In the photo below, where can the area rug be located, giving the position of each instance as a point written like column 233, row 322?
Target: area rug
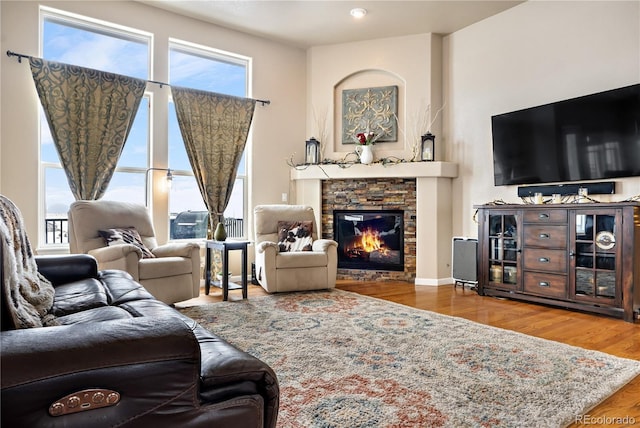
column 346, row 360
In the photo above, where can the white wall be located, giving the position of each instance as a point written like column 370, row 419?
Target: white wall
column 403, row 61
column 279, row 75
column 535, row 53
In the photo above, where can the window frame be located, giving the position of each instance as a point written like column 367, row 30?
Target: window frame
column 85, row 23
column 209, row 53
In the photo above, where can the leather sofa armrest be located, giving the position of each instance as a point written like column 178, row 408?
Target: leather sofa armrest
column 153, row 363
column 323, row 245
column 177, row 249
column 34, row 354
column 62, row 269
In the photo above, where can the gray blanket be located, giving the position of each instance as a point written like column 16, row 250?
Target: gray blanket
column 28, row 295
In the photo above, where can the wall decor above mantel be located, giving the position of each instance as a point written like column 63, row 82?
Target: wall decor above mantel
column 370, row 110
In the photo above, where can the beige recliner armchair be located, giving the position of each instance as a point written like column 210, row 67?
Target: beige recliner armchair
column 288, row 254
column 171, row 272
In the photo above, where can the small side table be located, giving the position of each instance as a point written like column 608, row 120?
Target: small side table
column 224, row 247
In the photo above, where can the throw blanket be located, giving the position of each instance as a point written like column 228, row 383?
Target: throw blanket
column 28, row 295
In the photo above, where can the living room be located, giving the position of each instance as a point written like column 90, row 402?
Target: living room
column 531, row 54
column 501, row 64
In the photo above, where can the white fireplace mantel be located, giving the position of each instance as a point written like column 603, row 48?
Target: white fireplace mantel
column 376, row 170
column 434, row 206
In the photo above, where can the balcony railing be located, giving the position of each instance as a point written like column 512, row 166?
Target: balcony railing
column 234, row 227
column 57, row 229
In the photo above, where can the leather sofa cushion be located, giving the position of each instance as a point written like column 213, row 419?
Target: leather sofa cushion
column 149, row 308
column 104, row 313
column 301, row 259
column 79, row 296
column 164, row 267
column 121, row 288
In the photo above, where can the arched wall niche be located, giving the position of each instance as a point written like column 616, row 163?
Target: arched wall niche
column 369, row 78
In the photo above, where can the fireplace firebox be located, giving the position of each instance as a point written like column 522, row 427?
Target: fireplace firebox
column 369, row 239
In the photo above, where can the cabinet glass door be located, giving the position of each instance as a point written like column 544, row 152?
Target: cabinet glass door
column 503, row 249
column 595, row 255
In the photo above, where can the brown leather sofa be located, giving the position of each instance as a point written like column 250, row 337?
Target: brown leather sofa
column 119, row 347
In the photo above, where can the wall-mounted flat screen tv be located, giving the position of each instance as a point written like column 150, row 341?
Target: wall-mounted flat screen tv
column 592, row 137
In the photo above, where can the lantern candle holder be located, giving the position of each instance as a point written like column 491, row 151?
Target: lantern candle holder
column 312, row 152
column 428, row 152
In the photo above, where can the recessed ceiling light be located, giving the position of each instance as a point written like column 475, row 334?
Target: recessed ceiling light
column 358, row 12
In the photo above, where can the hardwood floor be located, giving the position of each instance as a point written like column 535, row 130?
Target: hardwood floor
column 601, row 333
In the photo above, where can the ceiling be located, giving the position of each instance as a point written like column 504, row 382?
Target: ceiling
column 306, row 23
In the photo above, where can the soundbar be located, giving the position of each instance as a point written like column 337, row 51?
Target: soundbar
column 600, row 188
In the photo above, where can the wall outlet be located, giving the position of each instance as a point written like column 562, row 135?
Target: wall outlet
column 285, row 197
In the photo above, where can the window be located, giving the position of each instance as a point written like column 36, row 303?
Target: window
column 108, row 47
column 207, row 69
column 68, row 39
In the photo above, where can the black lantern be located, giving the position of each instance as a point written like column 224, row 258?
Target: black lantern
column 312, row 152
column 428, row 152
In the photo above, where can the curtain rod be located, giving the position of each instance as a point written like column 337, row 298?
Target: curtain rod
column 20, row 56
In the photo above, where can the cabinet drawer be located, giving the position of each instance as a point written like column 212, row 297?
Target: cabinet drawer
column 545, row 216
column 545, row 260
column 545, row 284
column 547, row 236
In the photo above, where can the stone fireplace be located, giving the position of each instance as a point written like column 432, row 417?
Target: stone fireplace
column 422, row 190
column 376, row 204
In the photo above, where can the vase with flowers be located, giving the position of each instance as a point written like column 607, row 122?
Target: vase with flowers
column 365, row 141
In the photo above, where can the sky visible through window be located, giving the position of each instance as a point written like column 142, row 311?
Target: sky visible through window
column 73, row 44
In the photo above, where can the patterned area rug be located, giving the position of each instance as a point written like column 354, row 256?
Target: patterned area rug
column 346, row 360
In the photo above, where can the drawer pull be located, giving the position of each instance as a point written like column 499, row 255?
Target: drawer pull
column 543, row 216
column 544, row 236
column 543, row 284
column 543, row 260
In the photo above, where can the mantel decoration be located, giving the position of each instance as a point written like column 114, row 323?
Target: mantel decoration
column 423, row 148
column 365, row 142
column 428, row 152
column 312, row 151
column 370, row 109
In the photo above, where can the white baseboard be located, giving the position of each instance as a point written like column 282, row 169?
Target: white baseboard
column 434, row 282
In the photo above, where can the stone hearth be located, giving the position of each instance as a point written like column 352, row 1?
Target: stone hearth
column 423, row 185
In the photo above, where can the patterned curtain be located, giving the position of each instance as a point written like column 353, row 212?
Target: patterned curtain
column 90, row 114
column 214, row 128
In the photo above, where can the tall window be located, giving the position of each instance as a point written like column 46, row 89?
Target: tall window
column 70, row 40
column 108, row 47
column 210, row 70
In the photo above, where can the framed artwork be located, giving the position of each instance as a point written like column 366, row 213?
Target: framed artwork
column 370, row 110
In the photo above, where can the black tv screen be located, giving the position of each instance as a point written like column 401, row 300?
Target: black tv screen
column 587, row 138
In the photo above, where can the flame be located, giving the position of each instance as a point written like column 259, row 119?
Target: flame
column 371, row 241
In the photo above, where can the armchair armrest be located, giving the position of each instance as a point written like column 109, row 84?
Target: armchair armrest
column 62, row 269
column 261, row 247
column 176, row 249
column 153, row 363
column 114, row 252
column 324, row 245
column 124, row 257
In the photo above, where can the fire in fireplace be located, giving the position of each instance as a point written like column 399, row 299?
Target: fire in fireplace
column 368, row 239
